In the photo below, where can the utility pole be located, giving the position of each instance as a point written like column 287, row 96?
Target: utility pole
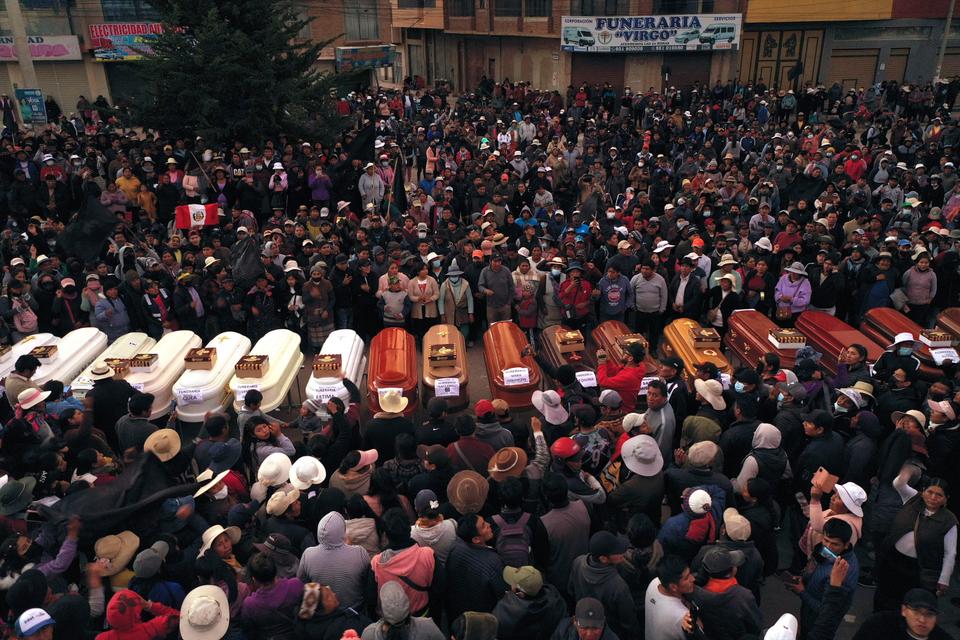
column 21, row 44
column 943, row 41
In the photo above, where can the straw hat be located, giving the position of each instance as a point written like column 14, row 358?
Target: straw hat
column 274, row 470
column 467, row 491
column 306, row 472
column 726, row 259
column 204, row 614
column 31, row 397
column 117, row 550
column 393, row 402
column 214, row 532
column 211, row 483
column 100, row 372
column 712, row 392
column 163, row 443
column 280, row 501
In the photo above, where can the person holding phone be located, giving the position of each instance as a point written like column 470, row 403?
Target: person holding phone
column 812, row 585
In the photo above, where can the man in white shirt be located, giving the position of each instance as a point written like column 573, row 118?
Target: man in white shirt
column 666, row 615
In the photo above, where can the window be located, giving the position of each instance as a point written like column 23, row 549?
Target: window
column 128, row 10
column 360, row 19
column 538, row 8
column 682, row 6
column 600, row 7
column 417, row 4
column 506, row 8
column 460, row 8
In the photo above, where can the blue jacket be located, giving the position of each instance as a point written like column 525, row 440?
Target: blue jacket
column 816, row 581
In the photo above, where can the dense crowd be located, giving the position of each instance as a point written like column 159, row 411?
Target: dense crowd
column 654, row 504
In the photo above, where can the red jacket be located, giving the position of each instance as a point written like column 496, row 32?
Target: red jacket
column 624, row 380
column 123, row 615
column 578, row 299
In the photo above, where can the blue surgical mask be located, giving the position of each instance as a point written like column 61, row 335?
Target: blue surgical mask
column 838, row 409
column 436, row 263
column 738, row 387
column 555, row 273
column 454, row 279
column 904, row 351
column 780, row 399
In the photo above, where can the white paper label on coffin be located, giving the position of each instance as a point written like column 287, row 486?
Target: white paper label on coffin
column 943, row 354
column 587, row 378
column 447, row 387
column 644, row 383
column 382, row 392
column 327, row 391
column 189, row 396
column 138, row 386
column 516, row 376
column 243, row 387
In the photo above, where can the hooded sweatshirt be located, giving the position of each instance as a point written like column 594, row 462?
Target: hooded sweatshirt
column 529, row 618
column 412, row 567
column 589, row 578
column 395, row 608
column 766, row 457
column 494, row 435
column 333, row 562
column 124, row 617
column 439, row 537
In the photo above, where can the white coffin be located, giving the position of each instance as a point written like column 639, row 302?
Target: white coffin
column 75, row 351
column 199, row 391
column 285, row 359
column 348, row 344
column 24, row 347
column 170, row 351
column 125, row 346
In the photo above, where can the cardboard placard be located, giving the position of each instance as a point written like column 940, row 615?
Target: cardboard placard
column 824, row 480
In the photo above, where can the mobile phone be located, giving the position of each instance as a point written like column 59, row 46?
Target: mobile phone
column 828, row 554
column 694, row 613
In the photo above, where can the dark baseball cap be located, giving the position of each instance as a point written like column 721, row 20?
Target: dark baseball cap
column 794, row 389
column 821, row 419
column 604, row 543
column 589, row 613
column 720, row 560
column 921, row 599
column 674, row 362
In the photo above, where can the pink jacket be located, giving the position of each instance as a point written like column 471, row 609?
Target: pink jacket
column 415, row 565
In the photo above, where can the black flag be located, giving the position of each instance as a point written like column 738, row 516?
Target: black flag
column 361, row 148
column 85, row 236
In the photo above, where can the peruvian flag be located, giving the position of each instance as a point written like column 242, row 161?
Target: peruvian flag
column 193, row 216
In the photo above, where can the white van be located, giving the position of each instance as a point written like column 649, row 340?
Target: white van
column 578, row 37
column 718, row 33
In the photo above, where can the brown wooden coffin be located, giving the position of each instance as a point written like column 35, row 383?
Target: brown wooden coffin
column 393, row 365
column 748, row 339
column 830, row 336
column 949, row 321
column 678, row 341
column 445, row 357
column 612, row 336
column 882, row 324
column 502, row 345
column 557, row 348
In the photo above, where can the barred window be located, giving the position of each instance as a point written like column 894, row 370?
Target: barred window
column 538, row 8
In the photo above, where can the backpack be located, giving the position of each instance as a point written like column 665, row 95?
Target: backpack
column 513, row 542
column 25, row 319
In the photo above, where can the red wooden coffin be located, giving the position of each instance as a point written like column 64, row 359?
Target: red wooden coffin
column 679, row 340
column 830, row 336
column 560, row 345
column 393, row 365
column 949, row 320
column 613, row 337
column 882, row 324
column 502, row 345
column 748, row 339
column 445, row 359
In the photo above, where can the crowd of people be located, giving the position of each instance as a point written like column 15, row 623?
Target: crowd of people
column 655, row 504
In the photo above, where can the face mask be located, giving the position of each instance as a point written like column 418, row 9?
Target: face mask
column 739, row 387
column 893, row 383
column 422, row 234
column 454, row 279
column 436, row 263
column 384, row 164
column 937, row 396
column 904, row 351
column 555, row 273
column 611, row 215
column 780, row 399
column 220, row 495
column 838, row 409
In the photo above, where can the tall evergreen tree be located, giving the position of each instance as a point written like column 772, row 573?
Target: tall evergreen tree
column 235, row 69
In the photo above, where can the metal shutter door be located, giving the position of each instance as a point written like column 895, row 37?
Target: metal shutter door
column 65, row 81
column 951, row 63
column 597, row 68
column 853, row 68
column 896, row 65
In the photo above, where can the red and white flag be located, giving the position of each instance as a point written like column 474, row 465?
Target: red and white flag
column 193, row 216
